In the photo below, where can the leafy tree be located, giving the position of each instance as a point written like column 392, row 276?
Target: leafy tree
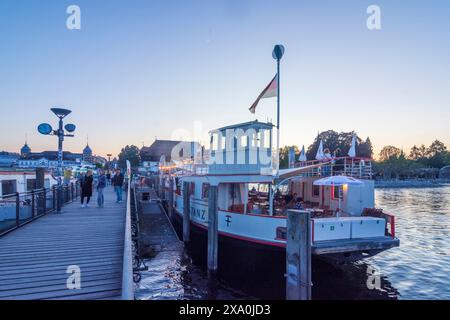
column 365, row 149
column 284, row 156
column 436, row 148
column 389, row 152
column 414, row 154
column 340, row 143
column 423, row 152
column 130, row 153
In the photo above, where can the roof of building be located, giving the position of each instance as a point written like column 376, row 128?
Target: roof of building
column 53, row 155
column 25, row 149
column 87, row 149
column 157, row 149
column 246, row 125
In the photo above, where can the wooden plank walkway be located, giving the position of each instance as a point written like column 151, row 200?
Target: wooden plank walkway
column 34, row 259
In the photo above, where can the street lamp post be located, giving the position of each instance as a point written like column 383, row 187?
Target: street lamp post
column 46, row 129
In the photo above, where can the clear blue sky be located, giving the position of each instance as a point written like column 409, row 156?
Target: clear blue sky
column 139, row 69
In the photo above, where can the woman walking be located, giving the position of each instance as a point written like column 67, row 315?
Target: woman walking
column 100, row 186
column 86, row 188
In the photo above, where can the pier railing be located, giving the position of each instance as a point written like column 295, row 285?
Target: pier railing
column 18, row 209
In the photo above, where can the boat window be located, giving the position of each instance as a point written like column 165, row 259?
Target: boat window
column 258, row 198
column 205, row 190
column 337, row 193
column 316, row 191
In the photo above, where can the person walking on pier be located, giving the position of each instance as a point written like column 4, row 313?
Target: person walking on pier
column 101, row 184
column 108, row 177
column 117, row 182
column 86, row 188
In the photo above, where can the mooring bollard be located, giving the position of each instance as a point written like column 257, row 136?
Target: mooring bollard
column 186, row 212
column 170, row 204
column 298, row 255
column 213, row 232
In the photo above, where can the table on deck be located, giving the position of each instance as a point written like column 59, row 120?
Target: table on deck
column 34, row 259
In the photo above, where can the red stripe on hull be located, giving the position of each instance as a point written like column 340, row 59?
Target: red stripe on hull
column 230, row 235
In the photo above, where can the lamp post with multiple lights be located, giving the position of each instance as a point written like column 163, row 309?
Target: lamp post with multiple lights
column 46, row 129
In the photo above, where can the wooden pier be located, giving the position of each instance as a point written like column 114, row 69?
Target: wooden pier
column 34, row 259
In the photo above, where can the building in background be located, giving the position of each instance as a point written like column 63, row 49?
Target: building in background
column 151, row 156
column 8, row 159
column 49, row 159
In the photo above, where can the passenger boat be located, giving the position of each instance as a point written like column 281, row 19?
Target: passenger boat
column 253, row 199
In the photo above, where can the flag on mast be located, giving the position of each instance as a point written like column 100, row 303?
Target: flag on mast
column 270, row 91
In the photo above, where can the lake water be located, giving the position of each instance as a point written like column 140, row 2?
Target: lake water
column 418, row 269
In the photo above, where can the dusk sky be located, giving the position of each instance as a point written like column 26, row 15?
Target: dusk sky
column 141, row 69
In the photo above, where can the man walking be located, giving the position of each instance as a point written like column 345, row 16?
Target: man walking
column 117, row 182
column 100, row 186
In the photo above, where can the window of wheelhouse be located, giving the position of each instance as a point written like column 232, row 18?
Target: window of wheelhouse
column 192, row 189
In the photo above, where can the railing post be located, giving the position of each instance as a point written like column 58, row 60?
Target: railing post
column 186, row 212
column 58, row 198
column 71, row 191
column 213, row 234
column 298, row 255
column 170, row 204
column 17, row 209
column 54, row 197
column 44, row 201
column 33, row 205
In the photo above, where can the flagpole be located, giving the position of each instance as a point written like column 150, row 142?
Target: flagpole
column 278, row 118
column 277, row 54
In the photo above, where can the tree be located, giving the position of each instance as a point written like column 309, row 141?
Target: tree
column 340, row 144
column 130, row 153
column 389, row 153
column 414, row 154
column 423, row 152
column 284, row 156
column 437, row 155
column 436, row 148
column 365, row 149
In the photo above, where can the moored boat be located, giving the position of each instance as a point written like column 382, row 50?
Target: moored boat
column 254, row 197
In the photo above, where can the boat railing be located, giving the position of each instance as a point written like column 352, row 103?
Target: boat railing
column 360, row 168
column 18, row 209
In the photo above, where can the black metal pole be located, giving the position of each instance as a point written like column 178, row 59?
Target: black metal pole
column 54, row 196
column 33, row 205
column 17, row 209
column 44, row 204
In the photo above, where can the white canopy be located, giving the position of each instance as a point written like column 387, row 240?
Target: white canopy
column 302, row 156
column 352, row 151
column 319, row 155
column 338, row 181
